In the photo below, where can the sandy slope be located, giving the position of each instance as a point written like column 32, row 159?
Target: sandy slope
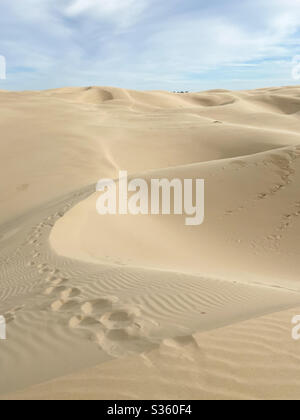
column 147, row 297
column 252, row 207
column 235, row 362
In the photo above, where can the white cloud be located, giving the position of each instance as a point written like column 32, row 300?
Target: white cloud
column 199, row 42
column 147, row 43
column 122, row 12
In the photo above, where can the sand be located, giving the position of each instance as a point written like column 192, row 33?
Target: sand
column 144, row 306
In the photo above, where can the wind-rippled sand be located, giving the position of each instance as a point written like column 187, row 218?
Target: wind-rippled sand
column 145, row 307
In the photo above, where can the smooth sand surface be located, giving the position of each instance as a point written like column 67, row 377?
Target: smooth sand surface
column 144, row 306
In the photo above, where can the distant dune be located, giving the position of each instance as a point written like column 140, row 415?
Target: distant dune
column 144, row 306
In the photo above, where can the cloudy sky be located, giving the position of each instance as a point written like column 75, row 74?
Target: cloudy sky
column 149, row 44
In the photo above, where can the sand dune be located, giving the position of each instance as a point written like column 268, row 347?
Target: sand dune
column 143, row 306
column 251, row 212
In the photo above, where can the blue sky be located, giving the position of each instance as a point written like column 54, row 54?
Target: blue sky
column 149, row 44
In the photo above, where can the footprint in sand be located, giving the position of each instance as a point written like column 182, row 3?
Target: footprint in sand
column 97, row 306
column 66, row 297
column 119, row 342
column 10, row 316
column 92, row 311
column 62, row 305
column 54, row 280
column 33, row 242
column 43, row 268
column 118, row 331
column 122, row 318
